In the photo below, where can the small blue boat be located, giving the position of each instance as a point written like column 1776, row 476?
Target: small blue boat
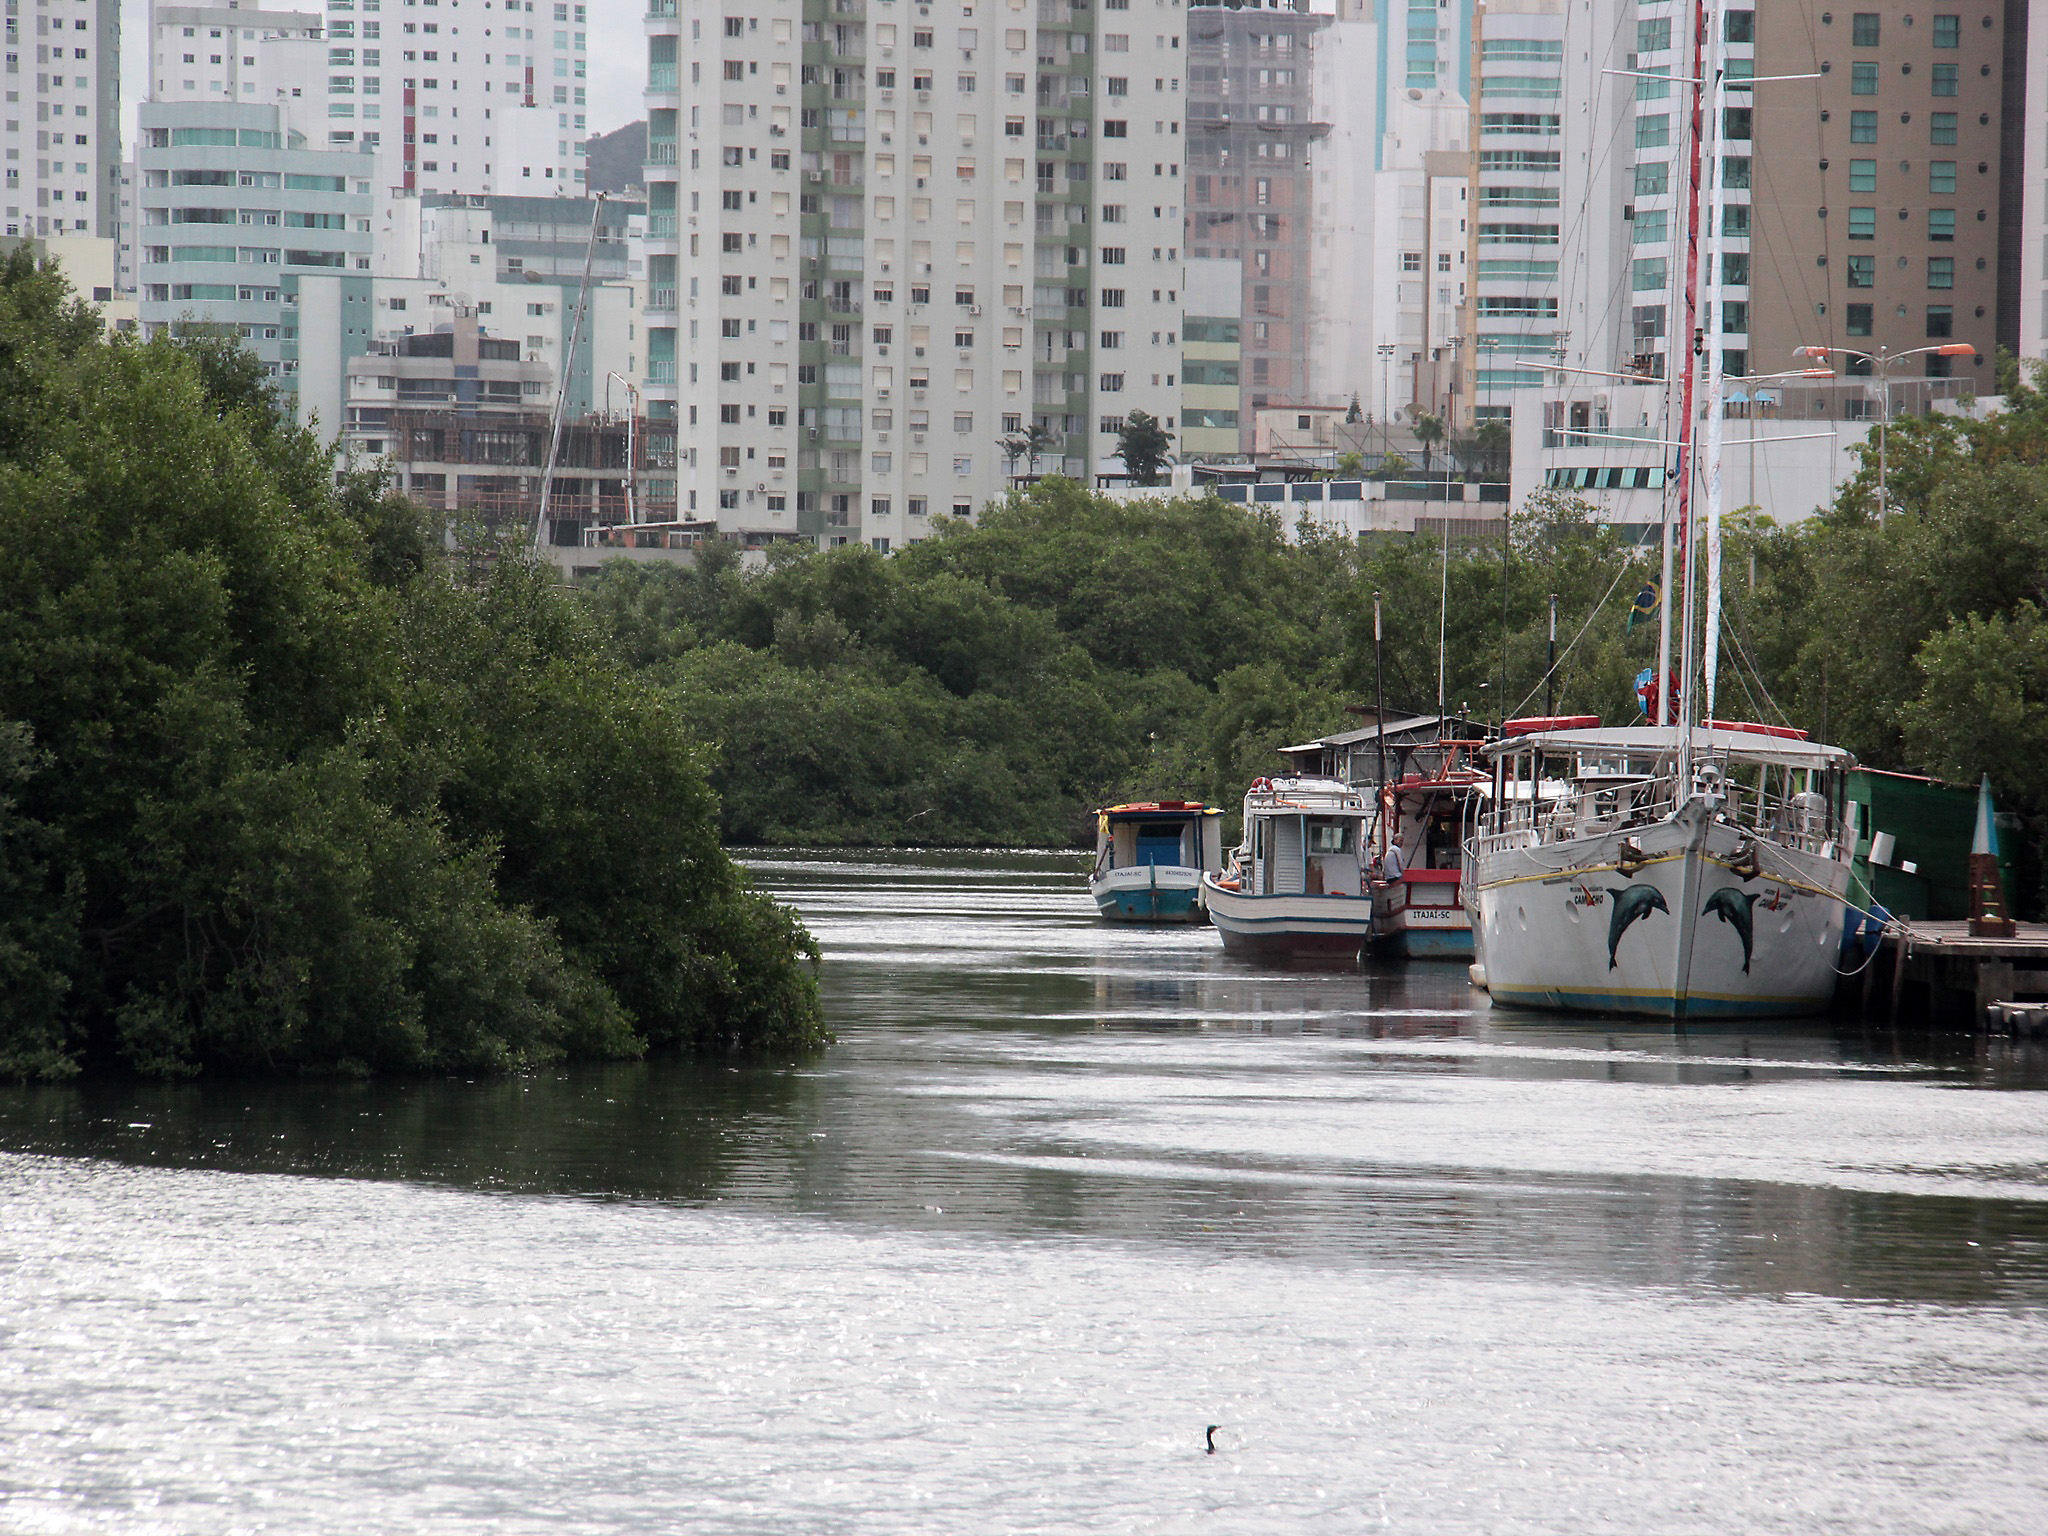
column 1149, row 859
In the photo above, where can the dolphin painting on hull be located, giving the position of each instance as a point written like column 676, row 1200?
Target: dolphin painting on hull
column 1630, row 903
column 1733, row 908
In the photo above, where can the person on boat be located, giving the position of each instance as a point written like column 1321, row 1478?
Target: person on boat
column 1392, row 863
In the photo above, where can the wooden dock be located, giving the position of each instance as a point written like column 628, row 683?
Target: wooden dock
column 1939, row 973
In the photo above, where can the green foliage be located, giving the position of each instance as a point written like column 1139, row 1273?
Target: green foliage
column 1144, row 446
column 276, row 794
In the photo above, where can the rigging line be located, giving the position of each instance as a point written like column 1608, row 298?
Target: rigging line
column 1562, row 658
column 1742, row 655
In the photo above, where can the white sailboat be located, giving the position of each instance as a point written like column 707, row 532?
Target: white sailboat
column 1674, row 870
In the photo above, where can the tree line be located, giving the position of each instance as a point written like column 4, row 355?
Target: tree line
column 282, row 791
column 989, row 685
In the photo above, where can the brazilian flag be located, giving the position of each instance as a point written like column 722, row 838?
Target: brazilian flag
column 1646, row 604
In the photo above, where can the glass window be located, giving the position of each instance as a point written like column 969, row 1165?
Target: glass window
column 1735, row 123
column 1941, row 223
column 1863, row 127
column 1734, row 363
column 1653, row 177
column 1651, row 132
column 1941, row 271
column 1945, row 79
column 1863, row 78
column 1734, row 317
column 1862, row 175
column 1941, row 128
column 1948, row 31
column 1649, row 273
column 1653, row 36
column 1941, row 322
column 1941, row 175
column 1735, row 220
column 1862, row 223
column 1863, row 29
column 1650, row 227
column 1862, row 271
column 1735, row 171
column 1860, row 318
column 1741, row 26
column 1735, row 268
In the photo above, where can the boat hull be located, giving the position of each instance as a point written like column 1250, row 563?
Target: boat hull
column 1446, row 943
column 1150, row 893
column 1692, row 931
column 1330, row 930
column 1422, row 917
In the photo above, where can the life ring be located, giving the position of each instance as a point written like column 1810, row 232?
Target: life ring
column 1261, row 787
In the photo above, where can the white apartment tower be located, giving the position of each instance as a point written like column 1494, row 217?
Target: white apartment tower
column 475, row 96
column 886, row 234
column 60, row 135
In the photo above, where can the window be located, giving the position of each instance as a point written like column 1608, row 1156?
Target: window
column 1411, row 261
column 1862, row 175
column 1862, row 127
column 1735, row 122
column 1948, row 31
column 1111, row 383
column 1653, row 132
column 1941, row 176
column 1862, row 223
column 1734, row 172
column 1941, row 271
column 1863, row 78
column 1862, row 271
column 1735, row 268
column 1649, row 274
column 1653, row 178
column 1946, row 79
column 1735, row 363
column 1653, row 36
column 1735, row 220
column 1941, row 322
column 1863, row 29
column 1941, row 223
column 1650, row 227
column 1648, row 321
column 1860, row 318
column 1941, row 128
column 1741, row 26
column 1734, row 318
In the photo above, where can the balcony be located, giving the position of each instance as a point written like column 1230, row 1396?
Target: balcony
column 661, row 298
column 658, row 9
column 661, row 151
column 661, row 225
column 661, row 77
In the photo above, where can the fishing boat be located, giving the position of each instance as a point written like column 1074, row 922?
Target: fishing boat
column 1299, row 884
column 1664, row 872
column 1427, row 816
column 1150, row 857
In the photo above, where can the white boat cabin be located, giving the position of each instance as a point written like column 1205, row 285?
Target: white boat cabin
column 1306, row 837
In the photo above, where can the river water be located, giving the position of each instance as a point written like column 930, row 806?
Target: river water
column 1061, row 1196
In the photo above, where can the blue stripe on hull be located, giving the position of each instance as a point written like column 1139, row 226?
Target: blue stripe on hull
column 1150, row 906
column 1429, row 944
column 1656, row 1007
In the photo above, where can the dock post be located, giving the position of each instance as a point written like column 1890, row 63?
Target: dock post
column 1900, row 935
column 1994, row 984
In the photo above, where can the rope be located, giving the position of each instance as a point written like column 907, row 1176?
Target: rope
column 1625, row 569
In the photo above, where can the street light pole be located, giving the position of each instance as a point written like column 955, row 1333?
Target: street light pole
column 1387, row 350
column 1882, row 362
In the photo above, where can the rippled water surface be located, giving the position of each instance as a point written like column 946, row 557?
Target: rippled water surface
column 1061, row 1196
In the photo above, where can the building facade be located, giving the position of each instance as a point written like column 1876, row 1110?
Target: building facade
column 502, row 110
column 60, row 138
column 235, row 206
column 883, row 236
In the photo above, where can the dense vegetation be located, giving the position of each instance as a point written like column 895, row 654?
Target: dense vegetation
column 277, row 792
column 991, row 683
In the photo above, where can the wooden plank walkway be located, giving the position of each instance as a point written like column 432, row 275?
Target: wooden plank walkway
column 1940, row 972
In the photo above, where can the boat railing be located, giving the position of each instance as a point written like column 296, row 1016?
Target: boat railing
column 1799, row 820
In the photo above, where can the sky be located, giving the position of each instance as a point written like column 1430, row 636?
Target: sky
column 617, row 49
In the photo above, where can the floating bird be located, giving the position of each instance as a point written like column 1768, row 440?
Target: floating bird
column 1212, row 1437
column 1630, row 903
column 1733, row 908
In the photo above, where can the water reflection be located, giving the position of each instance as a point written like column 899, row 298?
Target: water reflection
column 1010, row 1067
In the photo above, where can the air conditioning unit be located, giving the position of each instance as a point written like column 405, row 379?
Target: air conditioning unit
column 881, row 351
column 974, row 309
column 813, row 432
column 814, row 175
column 917, row 351
column 917, row 437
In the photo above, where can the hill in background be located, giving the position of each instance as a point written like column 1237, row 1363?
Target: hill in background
column 615, row 158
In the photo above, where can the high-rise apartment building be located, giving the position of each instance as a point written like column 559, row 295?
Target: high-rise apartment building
column 1889, row 229
column 1253, row 130
column 60, row 132
column 498, row 108
column 885, row 235
column 236, row 206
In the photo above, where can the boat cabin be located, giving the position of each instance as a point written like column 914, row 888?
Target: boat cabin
column 1175, row 834
column 1307, row 837
column 1412, row 743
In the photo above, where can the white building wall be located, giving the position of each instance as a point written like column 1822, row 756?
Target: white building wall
column 60, row 135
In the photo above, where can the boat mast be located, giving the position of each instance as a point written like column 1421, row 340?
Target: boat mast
column 1714, row 74
column 1694, row 346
